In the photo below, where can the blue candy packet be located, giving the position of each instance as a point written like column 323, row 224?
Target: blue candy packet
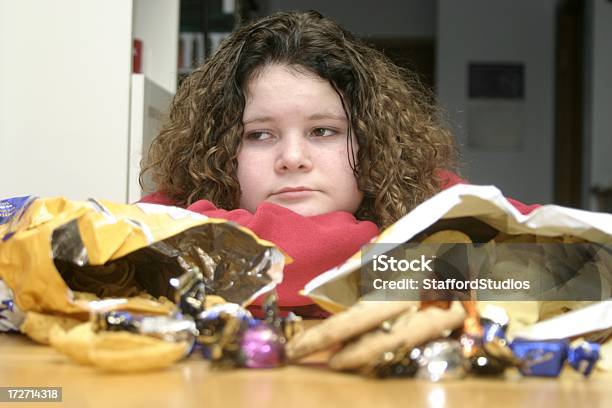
column 9, row 207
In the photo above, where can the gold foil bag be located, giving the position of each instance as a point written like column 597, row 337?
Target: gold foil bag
column 125, row 255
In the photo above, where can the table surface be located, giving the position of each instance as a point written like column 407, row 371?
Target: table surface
column 192, row 383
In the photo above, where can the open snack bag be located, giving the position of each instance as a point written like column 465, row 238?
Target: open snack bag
column 71, row 264
column 467, row 245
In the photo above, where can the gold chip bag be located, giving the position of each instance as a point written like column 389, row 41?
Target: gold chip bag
column 123, row 256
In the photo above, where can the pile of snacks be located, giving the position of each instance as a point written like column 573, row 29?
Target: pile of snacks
column 127, row 288
column 565, row 251
column 434, row 341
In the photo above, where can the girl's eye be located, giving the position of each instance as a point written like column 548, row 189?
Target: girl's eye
column 259, row 136
column 323, row 132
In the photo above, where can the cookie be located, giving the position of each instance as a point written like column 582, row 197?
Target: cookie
column 360, row 318
column 409, row 330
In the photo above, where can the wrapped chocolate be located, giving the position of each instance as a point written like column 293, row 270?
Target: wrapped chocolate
column 441, row 360
column 11, row 208
column 119, row 251
column 168, row 328
column 393, row 364
column 583, row 355
column 220, row 330
column 230, row 337
column 189, row 292
column 262, row 346
column 546, row 358
column 488, row 352
column 540, row 358
column 11, row 317
column 288, row 326
column 494, row 321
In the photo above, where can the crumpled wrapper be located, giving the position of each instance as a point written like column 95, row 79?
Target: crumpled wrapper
column 118, row 252
column 477, row 211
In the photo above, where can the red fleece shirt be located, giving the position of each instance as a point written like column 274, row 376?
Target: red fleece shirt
column 316, row 243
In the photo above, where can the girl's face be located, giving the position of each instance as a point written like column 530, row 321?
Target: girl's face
column 294, row 151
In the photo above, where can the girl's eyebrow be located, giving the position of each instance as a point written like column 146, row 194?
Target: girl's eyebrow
column 259, row 119
column 315, row 116
column 334, row 116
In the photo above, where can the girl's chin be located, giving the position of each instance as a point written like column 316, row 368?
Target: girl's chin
column 304, row 209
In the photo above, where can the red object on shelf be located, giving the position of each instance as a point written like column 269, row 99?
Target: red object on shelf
column 137, row 56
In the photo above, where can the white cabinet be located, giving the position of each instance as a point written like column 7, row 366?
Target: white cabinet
column 149, row 107
column 68, row 99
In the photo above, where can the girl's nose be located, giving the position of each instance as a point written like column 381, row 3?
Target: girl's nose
column 293, row 155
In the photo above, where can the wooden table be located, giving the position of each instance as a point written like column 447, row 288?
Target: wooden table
column 193, row 383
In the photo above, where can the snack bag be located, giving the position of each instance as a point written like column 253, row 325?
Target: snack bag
column 67, row 258
column 565, row 251
column 470, row 241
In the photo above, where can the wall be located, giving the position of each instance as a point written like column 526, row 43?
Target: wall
column 64, row 97
column 598, row 98
column 156, row 23
column 381, row 18
column 515, row 31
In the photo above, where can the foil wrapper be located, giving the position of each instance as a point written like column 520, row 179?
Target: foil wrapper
column 288, row 326
column 11, row 317
column 397, row 364
column 583, row 356
column 540, row 358
column 494, row 321
column 486, row 348
column 189, row 292
column 220, row 330
column 13, row 208
column 229, row 336
column 546, row 358
column 222, row 259
column 441, row 360
column 262, row 346
column 168, row 328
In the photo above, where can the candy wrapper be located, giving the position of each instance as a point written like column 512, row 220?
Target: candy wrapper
column 12, row 206
column 491, row 352
column 53, row 247
column 230, row 337
column 10, row 315
column 593, row 322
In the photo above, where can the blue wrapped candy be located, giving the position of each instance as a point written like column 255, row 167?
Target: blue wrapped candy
column 545, row 358
column 583, row 357
column 541, row 358
column 10, row 315
column 10, row 206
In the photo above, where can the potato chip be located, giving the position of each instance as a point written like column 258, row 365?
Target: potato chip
column 447, row 237
column 75, row 343
column 116, row 351
column 37, row 326
column 515, row 239
column 125, row 352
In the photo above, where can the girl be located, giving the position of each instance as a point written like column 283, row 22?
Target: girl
column 306, row 136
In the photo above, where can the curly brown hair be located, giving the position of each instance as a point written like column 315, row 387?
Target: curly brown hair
column 402, row 144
